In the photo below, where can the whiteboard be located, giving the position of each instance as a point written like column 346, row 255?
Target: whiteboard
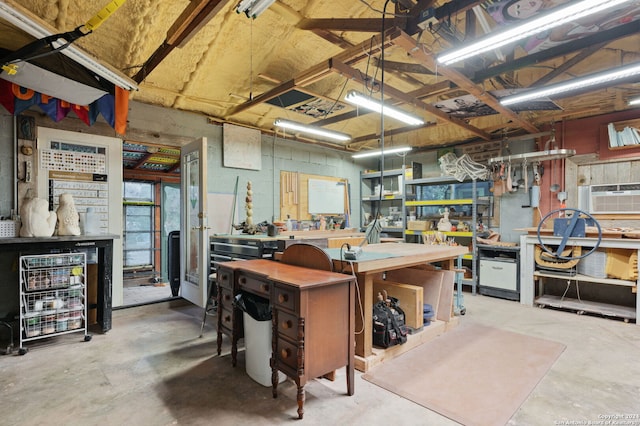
column 241, row 147
column 326, row 196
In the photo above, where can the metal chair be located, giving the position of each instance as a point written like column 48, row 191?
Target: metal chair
column 211, row 306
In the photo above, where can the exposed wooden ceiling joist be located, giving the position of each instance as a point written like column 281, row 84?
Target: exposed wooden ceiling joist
column 343, row 69
column 424, row 55
column 608, row 36
column 195, row 15
column 312, row 74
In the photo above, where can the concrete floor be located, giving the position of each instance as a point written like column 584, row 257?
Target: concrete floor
column 143, row 294
column 152, row 369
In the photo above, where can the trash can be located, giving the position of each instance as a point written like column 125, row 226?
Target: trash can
column 256, row 314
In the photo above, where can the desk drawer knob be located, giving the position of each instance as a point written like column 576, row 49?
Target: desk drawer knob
column 227, row 297
column 243, row 280
column 287, row 324
column 224, row 278
column 264, row 287
column 283, row 298
column 285, row 353
column 227, row 318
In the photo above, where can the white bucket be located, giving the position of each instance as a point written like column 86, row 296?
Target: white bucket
column 257, row 348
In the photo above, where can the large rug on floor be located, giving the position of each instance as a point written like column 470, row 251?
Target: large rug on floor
column 473, row 374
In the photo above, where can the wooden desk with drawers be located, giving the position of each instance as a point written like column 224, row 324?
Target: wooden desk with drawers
column 313, row 318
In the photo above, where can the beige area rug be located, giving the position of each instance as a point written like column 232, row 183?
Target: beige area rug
column 473, row 374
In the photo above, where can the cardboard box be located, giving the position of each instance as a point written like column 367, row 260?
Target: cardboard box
column 419, row 225
column 410, row 298
column 622, row 264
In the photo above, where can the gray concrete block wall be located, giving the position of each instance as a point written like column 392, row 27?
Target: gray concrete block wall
column 277, row 154
column 7, row 163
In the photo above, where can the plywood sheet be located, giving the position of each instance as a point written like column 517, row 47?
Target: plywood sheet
column 445, row 306
column 410, row 298
column 430, row 281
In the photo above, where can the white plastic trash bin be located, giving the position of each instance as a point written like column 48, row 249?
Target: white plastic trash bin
column 257, row 350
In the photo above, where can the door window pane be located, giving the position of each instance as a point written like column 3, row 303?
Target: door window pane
column 138, row 211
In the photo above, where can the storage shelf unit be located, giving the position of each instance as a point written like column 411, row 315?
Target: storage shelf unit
column 447, row 192
column 529, row 275
column 53, row 298
column 389, row 205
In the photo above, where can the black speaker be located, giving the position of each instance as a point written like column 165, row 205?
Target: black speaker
column 173, row 261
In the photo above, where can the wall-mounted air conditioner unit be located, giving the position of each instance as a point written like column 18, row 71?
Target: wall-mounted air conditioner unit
column 614, row 198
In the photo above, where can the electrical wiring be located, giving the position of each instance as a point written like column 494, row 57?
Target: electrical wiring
column 359, row 297
column 384, row 11
column 355, row 278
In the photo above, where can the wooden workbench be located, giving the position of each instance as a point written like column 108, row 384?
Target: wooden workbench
column 372, row 262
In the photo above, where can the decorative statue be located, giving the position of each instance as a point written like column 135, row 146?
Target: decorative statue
column 37, row 220
column 68, row 217
column 444, row 225
column 249, row 204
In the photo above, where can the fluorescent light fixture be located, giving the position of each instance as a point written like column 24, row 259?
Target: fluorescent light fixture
column 635, row 101
column 528, row 28
column 313, row 130
column 33, row 28
column 574, row 84
column 253, row 8
column 378, row 152
column 53, row 84
column 379, row 107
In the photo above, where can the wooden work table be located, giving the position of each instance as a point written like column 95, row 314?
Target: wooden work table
column 372, row 262
column 312, row 318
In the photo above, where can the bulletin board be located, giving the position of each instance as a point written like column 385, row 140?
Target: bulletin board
column 300, row 199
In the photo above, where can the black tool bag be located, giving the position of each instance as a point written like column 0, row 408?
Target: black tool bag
column 388, row 323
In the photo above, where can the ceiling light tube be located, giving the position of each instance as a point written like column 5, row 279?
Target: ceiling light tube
column 528, row 28
column 259, row 7
column 574, row 84
column 313, row 130
column 377, row 152
column 244, row 5
column 635, row 101
column 253, row 8
column 36, row 30
column 379, row 107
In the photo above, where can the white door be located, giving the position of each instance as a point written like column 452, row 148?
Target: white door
column 194, row 232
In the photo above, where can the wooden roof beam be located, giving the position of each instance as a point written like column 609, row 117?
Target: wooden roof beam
column 313, row 74
column 424, row 91
column 586, row 42
column 371, row 25
column 191, row 20
column 346, row 70
column 422, row 53
column 390, row 132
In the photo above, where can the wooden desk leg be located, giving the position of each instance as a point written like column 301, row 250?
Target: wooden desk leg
column 219, row 312
column 364, row 340
column 234, row 349
column 301, row 398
